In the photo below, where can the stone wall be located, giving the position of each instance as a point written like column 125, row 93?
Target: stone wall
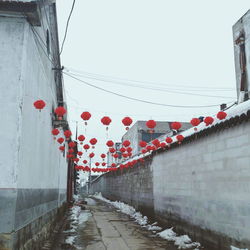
column 200, row 187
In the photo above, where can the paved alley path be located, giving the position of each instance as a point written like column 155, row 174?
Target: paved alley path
column 107, row 229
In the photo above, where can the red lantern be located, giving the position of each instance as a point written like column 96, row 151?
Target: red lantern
column 103, row 164
column 71, row 150
column 106, row 121
column 144, row 151
column 124, row 155
column 143, row 144
column 221, row 115
column 72, row 144
column 169, row 140
column 62, row 148
column 129, row 154
column 127, row 121
column 103, row 156
column 81, row 138
column 91, row 155
column 110, row 143
column 60, row 111
column 67, row 133
column 97, row 164
column 129, row 149
column 208, row 120
column 70, row 156
column 156, row 142
column 39, row 104
column 151, row 124
column 93, row 141
column 195, row 121
column 79, row 153
column 113, row 165
column 85, row 116
column 60, row 140
column 55, row 131
column 126, row 143
column 122, row 150
column 115, row 156
column 76, row 160
column 85, row 162
column 111, row 150
column 163, row 144
column 180, row 138
column 176, row 125
column 148, row 147
column 86, row 146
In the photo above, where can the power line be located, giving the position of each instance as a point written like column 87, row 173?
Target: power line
column 67, row 26
column 151, row 88
column 146, row 82
column 139, row 100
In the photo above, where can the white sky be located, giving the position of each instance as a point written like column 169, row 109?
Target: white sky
column 170, row 42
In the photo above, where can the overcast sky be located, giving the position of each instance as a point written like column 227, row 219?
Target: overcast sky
column 183, row 46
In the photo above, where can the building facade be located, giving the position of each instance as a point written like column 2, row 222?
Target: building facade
column 33, row 180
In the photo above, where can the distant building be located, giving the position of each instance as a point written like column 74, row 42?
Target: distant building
column 241, row 36
column 139, row 132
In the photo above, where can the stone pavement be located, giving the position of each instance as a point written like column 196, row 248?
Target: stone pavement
column 112, row 230
column 105, row 229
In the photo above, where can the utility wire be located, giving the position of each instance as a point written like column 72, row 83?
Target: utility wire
column 139, row 100
column 70, row 70
column 67, row 26
column 151, row 88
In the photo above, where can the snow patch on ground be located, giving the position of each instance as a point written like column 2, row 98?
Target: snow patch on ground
column 70, row 240
column 236, row 248
column 183, row 241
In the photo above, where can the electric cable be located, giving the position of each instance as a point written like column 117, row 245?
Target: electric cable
column 140, row 100
column 67, row 26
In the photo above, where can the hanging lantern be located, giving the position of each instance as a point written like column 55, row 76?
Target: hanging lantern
column 115, row 155
column 60, row 112
column 153, row 148
column 39, row 104
column 67, row 134
column 97, row 164
column 91, row 155
column 156, row 143
column 86, row 146
column 103, row 164
column 85, row 116
column 129, row 154
column 76, row 160
column 103, row 156
column 127, row 121
column 148, row 147
column 176, row 125
column 71, row 150
column 81, row 138
column 180, row 138
column 113, row 165
column 126, row 143
column 169, row 140
column 208, row 120
column 69, row 156
column 85, row 161
column 79, row 153
column 106, row 121
column 60, row 140
column 129, row 149
column 110, row 143
column 124, row 155
column 144, row 151
column 72, row 144
column 122, row 150
column 221, row 115
column 143, row 144
column 111, row 150
column 163, row 144
column 151, row 125
column 62, row 148
column 195, row 122
column 93, row 141
column 55, row 132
